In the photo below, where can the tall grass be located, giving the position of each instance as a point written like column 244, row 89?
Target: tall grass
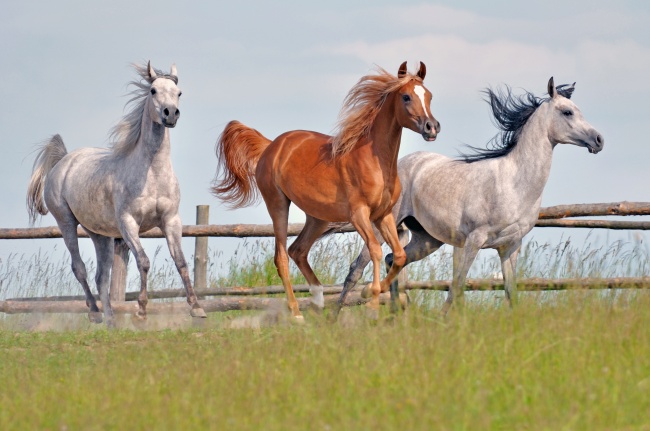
column 252, row 265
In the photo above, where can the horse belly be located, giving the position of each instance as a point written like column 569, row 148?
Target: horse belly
column 323, row 203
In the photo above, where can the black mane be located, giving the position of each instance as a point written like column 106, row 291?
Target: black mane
column 510, row 115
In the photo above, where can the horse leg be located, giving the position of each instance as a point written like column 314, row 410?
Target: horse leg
column 388, row 231
column 463, row 259
column 508, row 256
column 420, row 246
column 129, row 229
column 104, row 247
column 172, row 229
column 299, row 251
column 356, row 271
column 403, row 236
column 278, row 206
column 68, row 229
column 361, row 220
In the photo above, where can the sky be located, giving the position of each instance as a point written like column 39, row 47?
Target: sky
column 279, row 66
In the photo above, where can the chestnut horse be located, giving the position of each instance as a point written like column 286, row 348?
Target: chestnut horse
column 351, row 176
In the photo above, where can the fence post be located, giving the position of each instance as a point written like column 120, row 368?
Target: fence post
column 119, row 271
column 201, row 249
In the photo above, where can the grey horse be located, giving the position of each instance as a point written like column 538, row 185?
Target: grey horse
column 491, row 197
column 118, row 192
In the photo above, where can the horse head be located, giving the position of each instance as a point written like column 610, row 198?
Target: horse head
column 567, row 125
column 164, row 96
column 412, row 104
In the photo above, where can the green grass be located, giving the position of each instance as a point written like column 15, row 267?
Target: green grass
column 580, row 362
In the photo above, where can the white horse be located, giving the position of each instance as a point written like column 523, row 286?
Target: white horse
column 118, row 192
column 491, row 198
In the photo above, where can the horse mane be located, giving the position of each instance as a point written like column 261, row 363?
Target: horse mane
column 510, row 115
column 361, row 106
column 125, row 134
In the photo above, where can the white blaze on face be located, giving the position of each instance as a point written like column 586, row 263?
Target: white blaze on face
column 420, row 92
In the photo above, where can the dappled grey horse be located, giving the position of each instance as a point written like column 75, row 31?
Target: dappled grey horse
column 490, row 198
column 118, row 192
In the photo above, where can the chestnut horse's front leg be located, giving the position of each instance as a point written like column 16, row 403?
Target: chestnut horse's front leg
column 360, row 218
column 388, row 230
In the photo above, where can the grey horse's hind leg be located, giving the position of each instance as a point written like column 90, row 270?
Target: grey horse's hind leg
column 172, row 229
column 68, row 225
column 420, row 246
column 508, row 256
column 104, row 247
column 356, row 271
column 402, row 234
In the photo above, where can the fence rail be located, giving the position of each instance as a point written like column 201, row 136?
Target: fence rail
column 244, row 298
column 237, row 298
column 549, row 217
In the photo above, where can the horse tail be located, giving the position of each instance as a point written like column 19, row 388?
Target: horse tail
column 238, row 149
column 49, row 154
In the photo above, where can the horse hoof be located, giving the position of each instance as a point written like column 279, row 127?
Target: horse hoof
column 140, row 315
column 95, row 316
column 333, row 316
column 316, row 307
column 367, row 291
column 198, row 312
column 298, row 319
column 372, row 312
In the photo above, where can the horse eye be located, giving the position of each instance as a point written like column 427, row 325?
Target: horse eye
column 406, row 98
column 567, row 113
column 153, row 91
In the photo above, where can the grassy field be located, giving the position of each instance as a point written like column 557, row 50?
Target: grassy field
column 578, row 362
column 571, row 360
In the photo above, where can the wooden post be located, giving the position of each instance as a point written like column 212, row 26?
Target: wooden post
column 201, row 249
column 119, row 271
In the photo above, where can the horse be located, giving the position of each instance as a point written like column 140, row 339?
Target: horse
column 118, row 192
column 490, row 197
column 351, row 176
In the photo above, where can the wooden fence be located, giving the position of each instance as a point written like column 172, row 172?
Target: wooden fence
column 244, row 298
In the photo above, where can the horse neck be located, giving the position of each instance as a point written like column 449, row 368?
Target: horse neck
column 154, row 145
column 386, row 134
column 532, row 156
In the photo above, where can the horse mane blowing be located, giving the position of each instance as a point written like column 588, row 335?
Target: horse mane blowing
column 510, row 114
column 361, row 106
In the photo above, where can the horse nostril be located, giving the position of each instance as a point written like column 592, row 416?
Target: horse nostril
column 599, row 139
column 166, row 111
column 427, row 126
column 178, row 112
column 437, row 127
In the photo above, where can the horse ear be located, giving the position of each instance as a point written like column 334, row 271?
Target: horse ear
column 173, row 71
column 422, row 72
column 152, row 73
column 401, row 73
column 551, row 88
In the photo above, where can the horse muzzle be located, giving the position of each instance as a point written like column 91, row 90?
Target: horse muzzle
column 430, row 130
column 170, row 117
column 596, row 146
